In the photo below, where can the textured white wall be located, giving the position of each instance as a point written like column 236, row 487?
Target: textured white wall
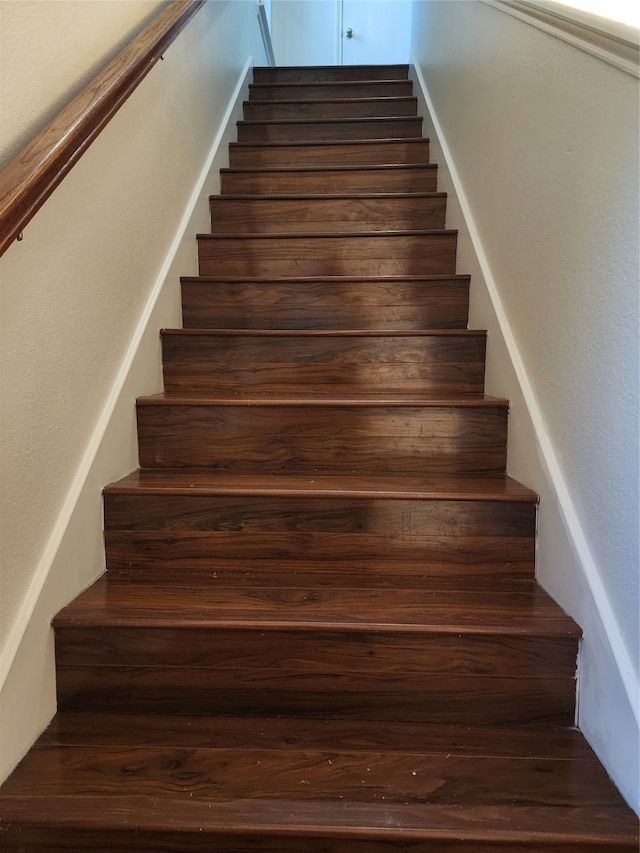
column 544, row 141
column 83, row 297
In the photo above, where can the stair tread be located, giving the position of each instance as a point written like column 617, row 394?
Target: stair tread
column 317, row 572
column 265, row 199
column 86, row 729
column 207, row 604
column 367, row 399
column 465, row 487
column 308, row 143
column 396, row 780
column 344, row 100
column 216, row 775
column 381, row 167
column 332, row 279
column 327, row 333
column 307, row 821
column 324, row 235
column 324, row 120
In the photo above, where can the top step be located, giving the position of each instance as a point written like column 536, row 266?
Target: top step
column 329, row 73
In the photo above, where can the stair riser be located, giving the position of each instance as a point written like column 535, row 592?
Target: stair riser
column 368, row 440
column 325, row 181
column 273, row 216
column 201, row 690
column 32, row 839
column 329, row 73
column 358, row 305
column 433, row 254
column 356, row 108
column 421, row 653
column 439, row 537
column 407, row 151
column 208, row 363
column 316, row 131
column 311, row 91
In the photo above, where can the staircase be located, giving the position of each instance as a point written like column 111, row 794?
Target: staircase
column 319, row 629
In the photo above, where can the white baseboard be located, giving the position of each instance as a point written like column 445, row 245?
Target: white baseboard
column 561, row 536
column 73, row 557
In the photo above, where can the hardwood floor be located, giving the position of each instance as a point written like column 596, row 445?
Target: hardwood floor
column 319, row 630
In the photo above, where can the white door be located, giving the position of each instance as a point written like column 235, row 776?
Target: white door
column 306, row 32
column 341, row 32
column 376, row 32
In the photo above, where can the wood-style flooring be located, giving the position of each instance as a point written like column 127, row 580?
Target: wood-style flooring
column 319, row 630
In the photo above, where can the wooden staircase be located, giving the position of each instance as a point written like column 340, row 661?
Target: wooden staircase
column 319, row 629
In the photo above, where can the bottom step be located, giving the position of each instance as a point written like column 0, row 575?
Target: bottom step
column 108, row 782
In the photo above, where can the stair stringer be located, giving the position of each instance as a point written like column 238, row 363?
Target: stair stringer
column 565, row 567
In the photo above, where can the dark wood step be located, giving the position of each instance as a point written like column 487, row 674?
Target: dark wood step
column 328, row 73
column 219, row 773
column 306, row 573
column 430, row 631
column 366, row 212
column 442, row 699
column 347, row 786
column 351, row 635
column 330, row 108
column 323, row 435
column 327, row 181
column 313, row 130
column 337, row 89
column 332, row 303
column 439, row 525
column 362, row 253
column 305, row 361
column 101, row 823
column 364, row 152
column 436, row 612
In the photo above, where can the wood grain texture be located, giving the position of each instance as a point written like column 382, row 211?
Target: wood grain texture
column 421, row 653
column 193, row 520
column 342, row 107
column 28, row 181
column 330, row 91
column 381, row 253
column 98, row 729
column 303, row 573
column 220, row 775
column 202, row 361
column 252, row 435
column 312, row 130
column 290, row 827
column 338, row 179
column 436, row 302
column 435, row 630
column 363, row 212
column 302, row 692
column 397, row 614
column 321, row 828
column 364, row 152
column 329, row 73
column 450, row 488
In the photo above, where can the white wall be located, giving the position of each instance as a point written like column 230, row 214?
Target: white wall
column 85, row 293
column 540, row 141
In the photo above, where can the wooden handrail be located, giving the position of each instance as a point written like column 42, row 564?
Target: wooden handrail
column 30, row 178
